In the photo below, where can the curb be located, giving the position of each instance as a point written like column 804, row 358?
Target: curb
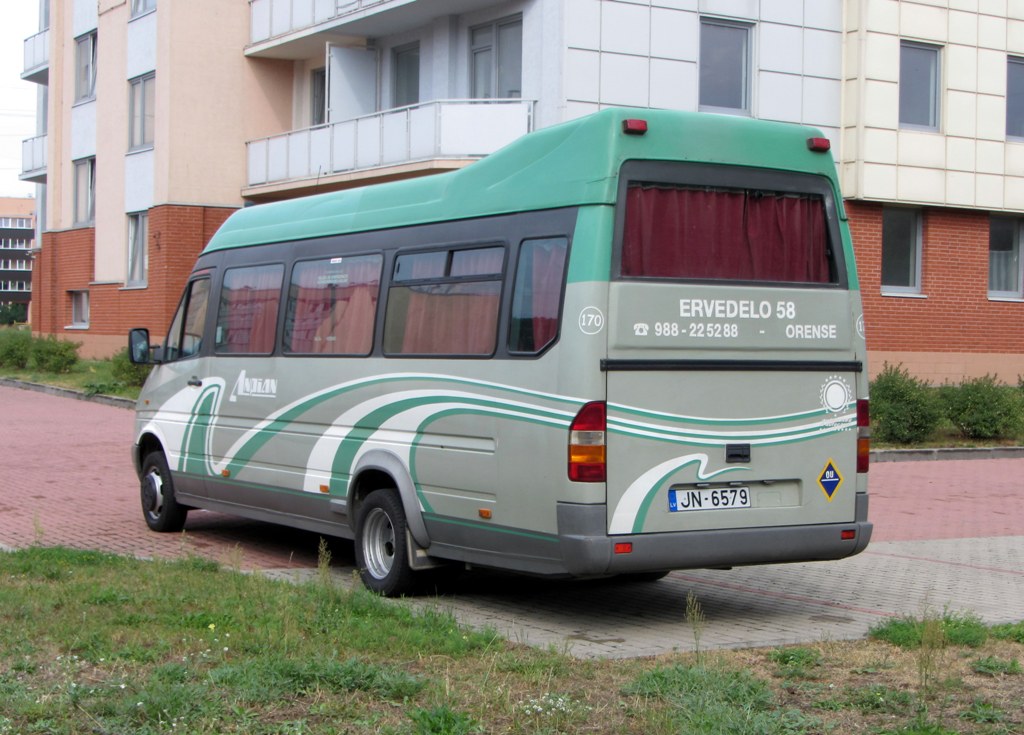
column 68, row 393
column 877, row 455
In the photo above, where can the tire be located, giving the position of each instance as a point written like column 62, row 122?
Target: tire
column 381, row 545
column 159, row 506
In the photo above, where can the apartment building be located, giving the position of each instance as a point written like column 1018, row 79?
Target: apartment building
column 17, row 238
column 150, row 143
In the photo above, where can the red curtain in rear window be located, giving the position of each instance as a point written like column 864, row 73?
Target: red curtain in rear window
column 724, row 235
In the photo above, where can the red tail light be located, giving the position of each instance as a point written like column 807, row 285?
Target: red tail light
column 586, row 444
column 863, row 436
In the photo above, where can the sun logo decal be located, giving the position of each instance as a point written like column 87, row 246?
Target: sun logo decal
column 836, row 395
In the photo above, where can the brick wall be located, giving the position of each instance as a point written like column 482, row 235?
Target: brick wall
column 955, row 327
column 176, row 236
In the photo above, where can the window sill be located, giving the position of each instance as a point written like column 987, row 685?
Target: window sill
column 134, row 287
column 77, row 327
column 904, row 294
column 139, row 149
column 1006, row 298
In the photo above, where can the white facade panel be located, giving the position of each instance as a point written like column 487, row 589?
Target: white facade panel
column 961, row 154
column 674, row 35
column 690, row 5
column 821, row 102
column 991, row 72
column 882, row 58
column 626, row 29
column 963, row 28
column 583, row 75
column 880, row 146
column 823, row 54
column 782, row 11
column 781, row 48
column 1014, row 159
column 624, row 80
column 138, row 181
column 961, row 70
column 925, row 150
column 84, row 17
column 961, row 114
column 923, row 22
column 583, row 24
column 992, row 32
column 141, row 42
column 990, row 191
column 781, row 97
column 881, row 16
column 745, row 9
column 83, row 130
column 824, row 14
column 1013, row 194
column 991, row 156
column 921, row 185
column 959, row 189
column 881, row 105
column 879, row 181
column 673, row 85
column 991, row 117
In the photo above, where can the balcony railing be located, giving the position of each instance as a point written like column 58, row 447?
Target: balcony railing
column 442, row 129
column 272, row 18
column 37, row 57
column 33, row 159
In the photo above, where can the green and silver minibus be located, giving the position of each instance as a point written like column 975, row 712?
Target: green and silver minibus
column 622, row 345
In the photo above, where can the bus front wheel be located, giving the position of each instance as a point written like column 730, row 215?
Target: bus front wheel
column 381, row 541
column 159, row 506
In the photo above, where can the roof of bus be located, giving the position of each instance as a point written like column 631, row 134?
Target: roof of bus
column 569, row 164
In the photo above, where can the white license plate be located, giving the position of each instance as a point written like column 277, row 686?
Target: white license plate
column 707, row 498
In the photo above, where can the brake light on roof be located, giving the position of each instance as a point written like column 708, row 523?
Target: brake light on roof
column 863, row 436
column 819, row 145
column 634, row 126
column 586, row 444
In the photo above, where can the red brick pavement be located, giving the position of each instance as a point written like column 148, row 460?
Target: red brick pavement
column 66, row 478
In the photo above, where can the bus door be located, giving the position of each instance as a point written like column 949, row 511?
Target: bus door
column 180, row 388
column 734, row 362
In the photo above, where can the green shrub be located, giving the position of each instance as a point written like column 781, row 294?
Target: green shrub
column 903, row 409
column 13, row 313
column 126, row 373
column 52, row 355
column 983, row 408
column 15, row 348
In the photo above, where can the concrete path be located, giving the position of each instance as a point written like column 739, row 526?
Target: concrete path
column 948, row 534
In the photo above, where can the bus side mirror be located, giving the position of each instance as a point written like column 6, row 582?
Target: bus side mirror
column 139, row 352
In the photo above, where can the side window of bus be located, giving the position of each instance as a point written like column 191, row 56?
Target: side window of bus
column 332, row 304
column 247, row 315
column 725, row 234
column 537, row 295
column 445, row 303
column 185, row 337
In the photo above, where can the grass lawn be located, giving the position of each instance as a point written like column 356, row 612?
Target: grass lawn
column 95, row 643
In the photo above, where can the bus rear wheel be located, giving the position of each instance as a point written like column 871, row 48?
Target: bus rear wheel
column 159, row 506
column 381, row 545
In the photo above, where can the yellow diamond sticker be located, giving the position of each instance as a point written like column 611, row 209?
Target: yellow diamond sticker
column 830, row 480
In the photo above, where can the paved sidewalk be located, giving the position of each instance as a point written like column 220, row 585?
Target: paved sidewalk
column 948, row 534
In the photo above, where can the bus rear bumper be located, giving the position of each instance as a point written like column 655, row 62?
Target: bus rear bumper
column 588, row 550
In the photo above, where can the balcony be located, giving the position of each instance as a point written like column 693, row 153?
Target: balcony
column 405, row 141
column 294, row 29
column 37, row 58
column 33, row 160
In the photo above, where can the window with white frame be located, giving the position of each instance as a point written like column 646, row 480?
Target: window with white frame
column 496, row 59
column 919, row 86
column 724, row 66
column 901, row 250
column 141, row 109
column 142, row 6
column 138, row 251
column 1005, row 275
column 318, row 97
column 85, row 67
column 85, row 191
column 79, row 308
column 1015, row 97
column 406, row 65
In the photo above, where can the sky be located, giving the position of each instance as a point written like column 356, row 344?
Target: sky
column 20, row 19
